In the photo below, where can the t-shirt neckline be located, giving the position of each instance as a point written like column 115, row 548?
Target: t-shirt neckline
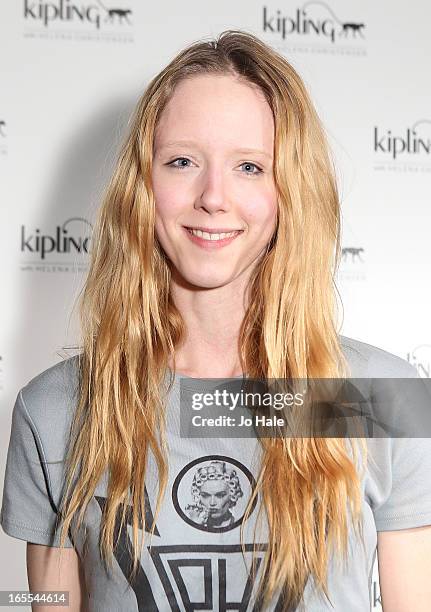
column 180, row 375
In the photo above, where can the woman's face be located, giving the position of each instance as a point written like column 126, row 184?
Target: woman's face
column 215, row 497
column 213, row 169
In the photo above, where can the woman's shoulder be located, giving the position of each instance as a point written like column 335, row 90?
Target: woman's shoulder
column 40, row 431
column 369, row 361
column 47, row 402
column 62, row 376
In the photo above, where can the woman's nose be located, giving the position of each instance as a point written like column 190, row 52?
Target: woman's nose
column 213, row 196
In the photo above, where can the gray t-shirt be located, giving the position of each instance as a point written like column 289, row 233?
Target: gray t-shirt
column 194, row 560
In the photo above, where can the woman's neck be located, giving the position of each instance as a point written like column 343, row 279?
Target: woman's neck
column 213, row 320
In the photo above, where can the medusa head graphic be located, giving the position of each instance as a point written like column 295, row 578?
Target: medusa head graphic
column 215, row 490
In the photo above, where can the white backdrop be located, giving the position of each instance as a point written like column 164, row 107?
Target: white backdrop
column 71, row 73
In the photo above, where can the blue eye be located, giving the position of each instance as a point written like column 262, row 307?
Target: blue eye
column 179, row 167
column 182, row 166
column 259, row 170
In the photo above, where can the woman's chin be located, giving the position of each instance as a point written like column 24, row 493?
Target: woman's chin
column 201, row 280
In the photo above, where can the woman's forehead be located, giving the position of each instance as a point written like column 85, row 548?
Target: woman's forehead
column 215, row 485
column 216, row 108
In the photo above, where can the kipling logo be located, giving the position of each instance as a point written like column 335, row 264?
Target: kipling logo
column 73, row 236
column 412, row 142
column 353, row 263
column 305, row 23
column 96, row 14
column 352, row 254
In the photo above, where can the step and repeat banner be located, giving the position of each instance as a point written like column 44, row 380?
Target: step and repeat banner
column 71, row 73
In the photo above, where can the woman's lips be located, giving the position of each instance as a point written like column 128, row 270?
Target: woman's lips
column 211, row 244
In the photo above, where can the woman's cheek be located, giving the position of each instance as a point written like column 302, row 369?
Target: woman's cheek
column 260, row 213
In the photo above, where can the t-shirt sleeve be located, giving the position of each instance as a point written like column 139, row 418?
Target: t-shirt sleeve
column 409, row 501
column 28, row 509
column 408, row 504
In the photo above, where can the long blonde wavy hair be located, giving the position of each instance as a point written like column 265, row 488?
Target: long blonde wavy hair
column 130, row 328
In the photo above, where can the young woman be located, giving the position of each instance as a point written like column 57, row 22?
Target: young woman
column 213, row 256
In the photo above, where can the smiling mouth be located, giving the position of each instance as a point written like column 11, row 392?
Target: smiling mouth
column 212, row 236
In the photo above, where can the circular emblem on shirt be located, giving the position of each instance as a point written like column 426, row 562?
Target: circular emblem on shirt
column 211, row 493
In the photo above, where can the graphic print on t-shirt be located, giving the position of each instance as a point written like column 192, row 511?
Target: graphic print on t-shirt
column 211, row 493
column 196, row 561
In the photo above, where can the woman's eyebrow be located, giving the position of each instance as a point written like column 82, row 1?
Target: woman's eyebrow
column 190, row 143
